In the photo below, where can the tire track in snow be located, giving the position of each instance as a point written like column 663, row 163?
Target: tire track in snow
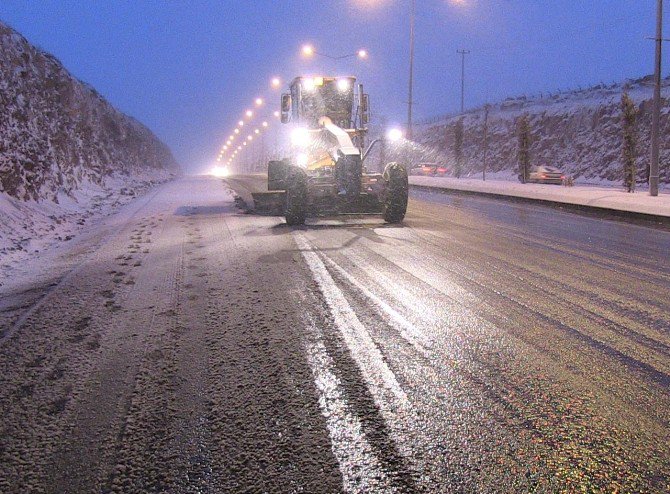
column 360, row 343
column 405, row 328
column 354, row 452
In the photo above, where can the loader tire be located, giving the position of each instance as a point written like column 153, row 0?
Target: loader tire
column 397, row 190
column 296, row 197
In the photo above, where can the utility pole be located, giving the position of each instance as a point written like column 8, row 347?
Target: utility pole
column 411, row 68
column 463, row 53
column 382, row 144
column 656, row 112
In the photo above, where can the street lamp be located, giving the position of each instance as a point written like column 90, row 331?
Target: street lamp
column 308, row 51
column 275, row 82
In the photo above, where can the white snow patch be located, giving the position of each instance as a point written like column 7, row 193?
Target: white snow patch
column 29, row 228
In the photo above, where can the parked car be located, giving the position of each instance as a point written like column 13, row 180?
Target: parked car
column 545, row 175
column 430, row 170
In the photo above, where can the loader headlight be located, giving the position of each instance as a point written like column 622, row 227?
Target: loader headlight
column 300, row 137
column 302, row 160
column 394, row 135
column 343, row 85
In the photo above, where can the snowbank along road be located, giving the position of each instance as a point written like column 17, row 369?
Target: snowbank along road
column 185, row 346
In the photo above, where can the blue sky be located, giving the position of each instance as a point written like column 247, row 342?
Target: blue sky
column 188, row 69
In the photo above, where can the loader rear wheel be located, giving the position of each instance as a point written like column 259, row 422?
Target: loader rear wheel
column 397, row 189
column 296, row 197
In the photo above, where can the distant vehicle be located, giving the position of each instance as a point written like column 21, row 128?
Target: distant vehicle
column 545, row 175
column 430, row 170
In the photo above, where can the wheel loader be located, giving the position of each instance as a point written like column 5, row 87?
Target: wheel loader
column 325, row 173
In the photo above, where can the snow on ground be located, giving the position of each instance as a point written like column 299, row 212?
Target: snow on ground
column 593, row 196
column 29, row 228
column 577, row 131
column 512, row 176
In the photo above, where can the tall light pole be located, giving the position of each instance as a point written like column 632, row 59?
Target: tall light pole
column 412, row 16
column 487, row 107
column 463, row 53
column 656, row 112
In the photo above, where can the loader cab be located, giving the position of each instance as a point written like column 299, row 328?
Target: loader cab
column 337, row 98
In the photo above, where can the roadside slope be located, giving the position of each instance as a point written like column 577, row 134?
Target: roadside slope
column 578, row 131
column 66, row 154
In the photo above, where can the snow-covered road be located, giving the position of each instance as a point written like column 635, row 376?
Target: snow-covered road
column 184, row 346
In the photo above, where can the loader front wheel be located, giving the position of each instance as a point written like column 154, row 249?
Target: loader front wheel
column 397, row 190
column 296, row 197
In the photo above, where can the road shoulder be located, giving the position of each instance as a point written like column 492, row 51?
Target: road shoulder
column 603, row 199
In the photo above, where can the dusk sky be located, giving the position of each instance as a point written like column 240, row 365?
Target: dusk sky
column 189, row 69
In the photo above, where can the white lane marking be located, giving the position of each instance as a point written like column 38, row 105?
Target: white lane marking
column 363, row 349
column 400, row 293
column 357, row 461
column 407, row 329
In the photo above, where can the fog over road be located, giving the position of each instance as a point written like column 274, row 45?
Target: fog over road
column 482, row 346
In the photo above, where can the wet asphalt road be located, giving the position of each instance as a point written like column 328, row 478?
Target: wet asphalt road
column 483, row 346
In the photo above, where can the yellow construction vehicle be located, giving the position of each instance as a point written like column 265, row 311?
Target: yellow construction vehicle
column 325, row 173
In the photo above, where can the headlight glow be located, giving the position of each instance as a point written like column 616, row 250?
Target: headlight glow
column 394, row 134
column 302, row 160
column 343, row 85
column 219, row 171
column 300, row 137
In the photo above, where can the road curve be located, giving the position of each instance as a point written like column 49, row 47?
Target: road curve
column 482, row 346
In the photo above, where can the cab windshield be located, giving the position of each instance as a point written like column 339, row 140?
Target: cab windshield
column 333, row 99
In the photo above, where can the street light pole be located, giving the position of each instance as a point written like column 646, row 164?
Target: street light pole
column 656, row 112
column 463, row 53
column 411, row 68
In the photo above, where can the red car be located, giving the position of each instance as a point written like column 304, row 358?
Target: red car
column 430, row 170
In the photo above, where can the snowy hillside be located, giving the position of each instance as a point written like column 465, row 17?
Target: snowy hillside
column 65, row 153
column 578, row 131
